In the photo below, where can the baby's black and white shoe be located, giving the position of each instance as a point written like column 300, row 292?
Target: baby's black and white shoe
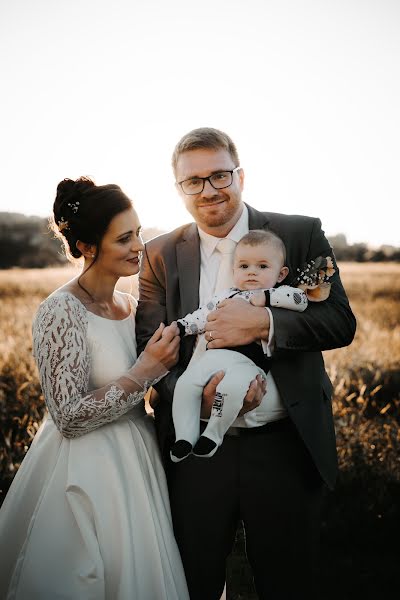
column 204, row 447
column 180, row 450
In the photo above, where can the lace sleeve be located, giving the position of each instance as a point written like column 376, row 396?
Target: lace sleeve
column 61, row 351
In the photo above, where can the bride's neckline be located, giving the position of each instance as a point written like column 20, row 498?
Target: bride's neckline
column 94, row 314
column 112, row 320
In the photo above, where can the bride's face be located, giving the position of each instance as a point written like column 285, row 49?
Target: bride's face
column 122, row 245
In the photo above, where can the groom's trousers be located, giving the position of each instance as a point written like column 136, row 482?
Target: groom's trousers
column 265, row 477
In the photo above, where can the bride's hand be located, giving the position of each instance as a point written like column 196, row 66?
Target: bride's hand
column 163, row 346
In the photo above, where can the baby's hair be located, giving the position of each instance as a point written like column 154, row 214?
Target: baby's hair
column 257, row 237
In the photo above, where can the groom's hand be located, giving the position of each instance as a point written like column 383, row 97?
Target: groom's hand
column 252, row 399
column 236, row 323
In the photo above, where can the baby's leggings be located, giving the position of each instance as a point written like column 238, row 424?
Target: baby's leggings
column 239, row 373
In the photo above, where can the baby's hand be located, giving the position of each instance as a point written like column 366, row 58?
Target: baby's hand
column 258, row 299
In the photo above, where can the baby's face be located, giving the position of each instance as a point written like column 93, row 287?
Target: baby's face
column 256, row 267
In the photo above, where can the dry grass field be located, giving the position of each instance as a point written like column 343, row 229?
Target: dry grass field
column 361, row 521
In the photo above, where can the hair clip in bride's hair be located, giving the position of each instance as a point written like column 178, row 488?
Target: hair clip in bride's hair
column 74, row 206
column 62, row 224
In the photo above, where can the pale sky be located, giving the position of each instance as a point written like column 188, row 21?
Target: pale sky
column 308, row 89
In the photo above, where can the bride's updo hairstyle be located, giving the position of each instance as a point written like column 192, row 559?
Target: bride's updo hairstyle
column 83, row 211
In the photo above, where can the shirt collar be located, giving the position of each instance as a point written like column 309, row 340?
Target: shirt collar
column 208, row 242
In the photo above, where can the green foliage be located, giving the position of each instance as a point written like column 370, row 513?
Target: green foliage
column 27, row 242
column 361, row 252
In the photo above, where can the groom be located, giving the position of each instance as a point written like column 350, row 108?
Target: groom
column 271, row 477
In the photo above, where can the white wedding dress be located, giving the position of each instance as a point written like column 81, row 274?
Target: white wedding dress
column 87, row 516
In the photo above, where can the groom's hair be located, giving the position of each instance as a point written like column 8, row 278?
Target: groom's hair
column 205, row 138
column 260, row 237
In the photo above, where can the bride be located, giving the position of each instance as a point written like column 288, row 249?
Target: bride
column 87, row 516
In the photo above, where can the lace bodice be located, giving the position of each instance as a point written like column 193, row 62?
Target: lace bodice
column 83, row 360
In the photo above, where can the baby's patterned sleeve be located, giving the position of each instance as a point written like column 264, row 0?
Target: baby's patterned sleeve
column 194, row 323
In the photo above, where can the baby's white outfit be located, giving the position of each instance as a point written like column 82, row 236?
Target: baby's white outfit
column 239, row 370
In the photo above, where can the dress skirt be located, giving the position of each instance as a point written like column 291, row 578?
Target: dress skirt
column 89, row 518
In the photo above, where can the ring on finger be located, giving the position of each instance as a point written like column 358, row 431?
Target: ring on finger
column 210, row 336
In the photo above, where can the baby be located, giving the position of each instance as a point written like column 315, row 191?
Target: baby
column 259, row 264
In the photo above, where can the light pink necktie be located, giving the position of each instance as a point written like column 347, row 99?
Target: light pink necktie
column 223, row 281
column 225, row 272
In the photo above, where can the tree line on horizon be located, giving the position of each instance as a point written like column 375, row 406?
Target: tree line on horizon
column 27, row 242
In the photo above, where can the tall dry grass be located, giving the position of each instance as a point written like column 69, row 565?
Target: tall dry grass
column 366, row 375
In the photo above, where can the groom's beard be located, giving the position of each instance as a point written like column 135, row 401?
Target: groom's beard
column 216, row 211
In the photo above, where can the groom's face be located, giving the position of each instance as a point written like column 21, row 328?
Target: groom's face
column 215, row 211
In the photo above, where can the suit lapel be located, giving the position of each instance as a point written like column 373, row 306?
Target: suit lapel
column 257, row 219
column 188, row 262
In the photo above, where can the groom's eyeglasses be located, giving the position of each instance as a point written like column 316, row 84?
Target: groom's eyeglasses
column 219, row 181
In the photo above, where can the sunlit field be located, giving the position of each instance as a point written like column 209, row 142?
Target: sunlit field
column 361, row 522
